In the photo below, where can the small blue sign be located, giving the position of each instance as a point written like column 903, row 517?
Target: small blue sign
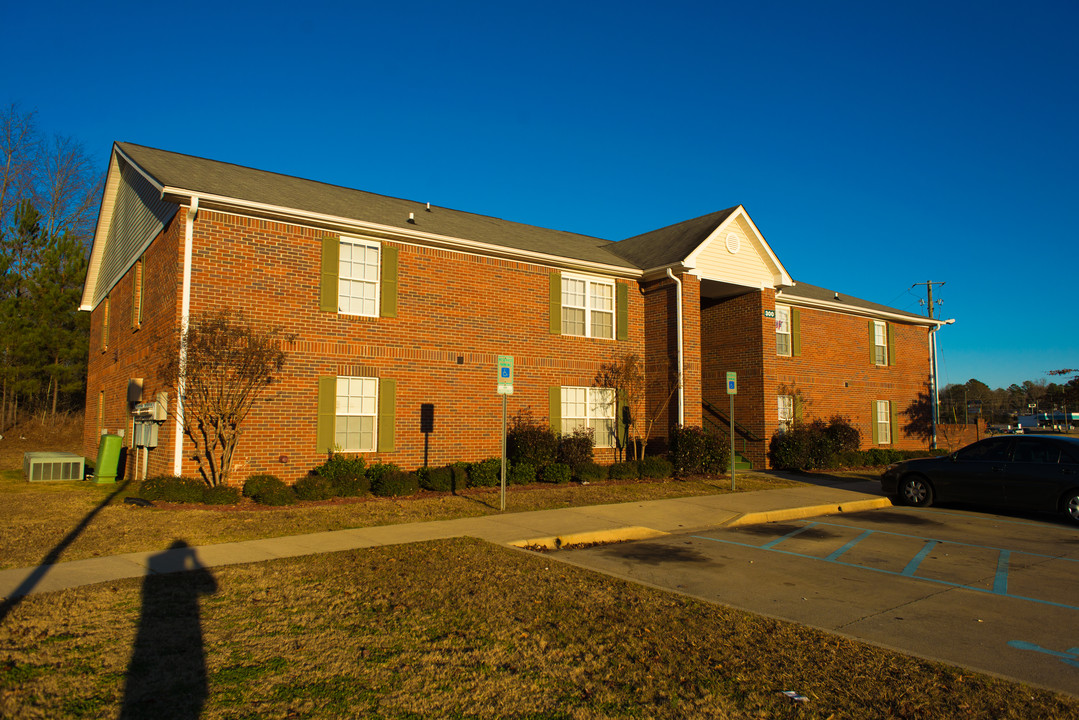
column 505, row 372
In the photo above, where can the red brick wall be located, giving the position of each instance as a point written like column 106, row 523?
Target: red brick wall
column 731, row 342
column 450, row 305
column 835, row 376
column 135, row 352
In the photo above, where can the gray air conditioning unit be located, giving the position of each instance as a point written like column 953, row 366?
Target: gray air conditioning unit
column 38, row 466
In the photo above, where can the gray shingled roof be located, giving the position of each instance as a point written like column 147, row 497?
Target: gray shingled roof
column 670, row 244
column 235, row 181
column 813, row 292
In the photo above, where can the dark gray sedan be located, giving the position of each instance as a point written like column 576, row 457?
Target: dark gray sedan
column 1015, row 471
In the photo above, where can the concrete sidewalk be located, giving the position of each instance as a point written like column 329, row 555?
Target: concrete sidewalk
column 551, row 528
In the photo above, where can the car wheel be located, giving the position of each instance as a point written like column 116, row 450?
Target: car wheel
column 915, row 490
column 1071, row 505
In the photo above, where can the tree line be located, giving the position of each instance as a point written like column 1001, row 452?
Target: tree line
column 49, row 192
column 964, row 403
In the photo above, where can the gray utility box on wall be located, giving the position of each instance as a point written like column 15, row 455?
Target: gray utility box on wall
column 38, row 466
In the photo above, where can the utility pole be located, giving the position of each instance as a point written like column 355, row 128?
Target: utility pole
column 935, row 410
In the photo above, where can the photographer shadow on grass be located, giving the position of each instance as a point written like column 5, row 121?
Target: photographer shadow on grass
column 166, row 677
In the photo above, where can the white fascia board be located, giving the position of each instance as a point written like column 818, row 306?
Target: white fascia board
column 223, row 203
column 842, row 309
column 781, row 277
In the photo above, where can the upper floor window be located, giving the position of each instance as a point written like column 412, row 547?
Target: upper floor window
column 358, row 277
column 105, row 326
column 783, row 330
column 590, row 407
column 587, row 307
column 136, row 295
column 880, row 342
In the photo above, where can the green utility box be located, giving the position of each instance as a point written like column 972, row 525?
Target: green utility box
column 108, row 459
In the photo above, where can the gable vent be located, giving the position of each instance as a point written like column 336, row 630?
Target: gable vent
column 734, row 243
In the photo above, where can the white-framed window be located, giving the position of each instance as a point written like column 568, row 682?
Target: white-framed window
column 589, row 407
column 358, row 277
column 783, row 330
column 587, row 307
column 786, row 412
column 880, row 342
column 357, row 410
column 884, row 422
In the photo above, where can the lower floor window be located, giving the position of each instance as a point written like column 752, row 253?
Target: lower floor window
column 588, row 407
column 786, row 412
column 357, row 407
column 884, row 422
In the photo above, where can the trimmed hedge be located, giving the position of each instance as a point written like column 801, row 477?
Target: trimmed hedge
column 485, row 473
column 522, row 474
column 269, row 490
column 395, row 483
column 221, row 495
column 346, row 474
column 576, row 448
column 655, row 467
column 590, row 472
column 694, row 451
column 437, row 479
column 173, row 488
column 628, row 470
column 314, row 487
column 530, row 442
column 555, row 473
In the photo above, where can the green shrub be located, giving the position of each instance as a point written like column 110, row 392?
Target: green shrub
column 530, row 442
column 485, row 473
column 347, row 474
column 694, row 450
column 652, row 466
column 555, row 473
column 842, row 436
column 851, row 459
column 590, row 472
column 313, row 487
column 460, row 475
column 522, row 474
column 439, row 479
column 814, row 445
column 628, row 470
column 254, row 483
column 395, row 483
column 575, row 448
column 221, row 495
column 173, row 488
column 269, row 490
column 376, row 470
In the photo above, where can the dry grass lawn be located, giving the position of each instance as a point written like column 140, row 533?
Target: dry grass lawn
column 457, row 628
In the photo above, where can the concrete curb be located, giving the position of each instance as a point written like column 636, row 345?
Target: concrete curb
column 757, row 518
column 623, row 534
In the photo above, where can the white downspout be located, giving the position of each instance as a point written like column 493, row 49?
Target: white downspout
column 681, row 354
column 185, row 313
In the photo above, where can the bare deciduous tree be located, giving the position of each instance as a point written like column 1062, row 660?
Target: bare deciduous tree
column 227, row 364
column 626, row 376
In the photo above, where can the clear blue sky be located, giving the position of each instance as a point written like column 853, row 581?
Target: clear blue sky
column 875, row 145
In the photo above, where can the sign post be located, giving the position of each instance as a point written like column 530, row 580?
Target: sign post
column 505, row 387
column 732, row 390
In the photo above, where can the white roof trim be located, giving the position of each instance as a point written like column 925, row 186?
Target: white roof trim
column 780, row 275
column 846, row 309
column 224, row 203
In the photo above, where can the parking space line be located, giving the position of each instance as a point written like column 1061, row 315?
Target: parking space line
column 912, row 566
column 836, row 555
column 1000, row 583
column 788, row 536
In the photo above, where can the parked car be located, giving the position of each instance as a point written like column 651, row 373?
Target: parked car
column 1021, row 472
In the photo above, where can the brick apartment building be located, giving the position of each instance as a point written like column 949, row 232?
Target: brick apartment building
column 400, row 310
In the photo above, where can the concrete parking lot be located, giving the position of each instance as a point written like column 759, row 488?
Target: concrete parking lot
column 994, row 593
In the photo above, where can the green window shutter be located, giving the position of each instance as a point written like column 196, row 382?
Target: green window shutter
column 327, row 414
column 331, row 251
column 873, row 421
column 387, row 413
column 621, row 304
column 872, row 344
column 556, row 304
column 798, row 406
column 556, row 407
column 388, row 296
column 891, row 345
column 796, row 332
column 894, row 419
